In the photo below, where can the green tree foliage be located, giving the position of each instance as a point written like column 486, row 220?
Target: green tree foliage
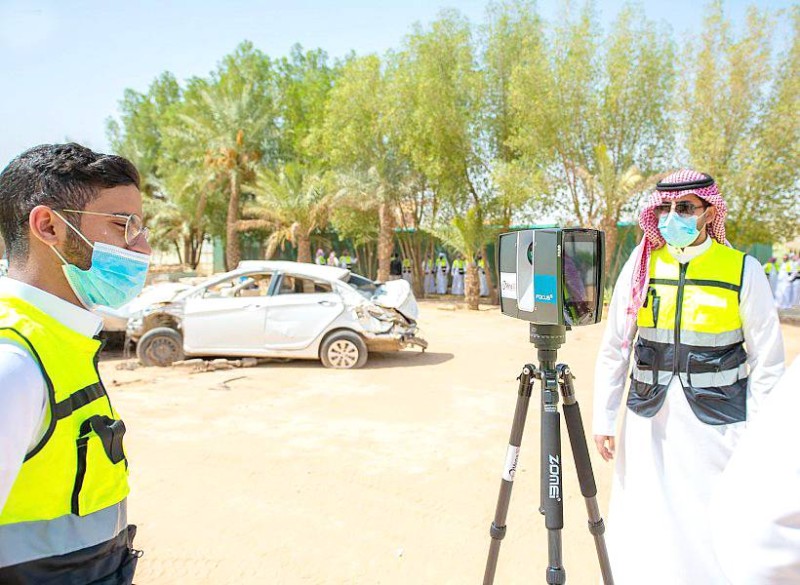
column 357, row 141
column 517, row 120
column 467, row 235
column 741, row 115
column 292, row 202
column 593, row 115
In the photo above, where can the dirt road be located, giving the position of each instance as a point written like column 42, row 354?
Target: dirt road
column 292, row 473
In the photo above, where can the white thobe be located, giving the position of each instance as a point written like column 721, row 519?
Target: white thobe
column 756, row 508
column 773, row 279
column 667, row 466
column 23, row 394
column 458, row 280
column 484, row 284
column 441, row 278
column 429, row 283
column 783, row 291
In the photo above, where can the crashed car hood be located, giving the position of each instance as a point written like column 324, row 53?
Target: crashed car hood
column 397, row 294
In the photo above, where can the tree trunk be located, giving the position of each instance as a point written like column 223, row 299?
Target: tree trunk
column 232, row 251
column 178, row 252
column 472, row 287
column 612, row 260
column 385, row 243
column 303, row 246
column 490, row 272
column 187, row 250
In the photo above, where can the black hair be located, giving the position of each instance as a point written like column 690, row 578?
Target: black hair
column 61, row 176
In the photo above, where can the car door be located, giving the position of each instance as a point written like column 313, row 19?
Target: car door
column 301, row 310
column 229, row 317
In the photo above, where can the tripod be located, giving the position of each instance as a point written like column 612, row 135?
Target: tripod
column 547, row 339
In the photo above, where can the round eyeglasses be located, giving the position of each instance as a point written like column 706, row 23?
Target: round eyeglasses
column 135, row 229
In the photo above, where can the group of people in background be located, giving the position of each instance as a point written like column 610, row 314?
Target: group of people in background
column 440, row 276
column 784, row 280
column 343, row 261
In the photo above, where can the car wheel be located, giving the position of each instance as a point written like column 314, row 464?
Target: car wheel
column 160, row 347
column 343, row 350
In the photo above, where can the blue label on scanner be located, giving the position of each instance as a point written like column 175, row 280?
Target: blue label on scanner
column 544, row 288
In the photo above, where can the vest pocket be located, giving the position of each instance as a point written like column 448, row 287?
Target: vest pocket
column 646, row 361
column 716, row 385
column 101, row 477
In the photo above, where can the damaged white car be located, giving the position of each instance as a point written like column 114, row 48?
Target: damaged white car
column 277, row 309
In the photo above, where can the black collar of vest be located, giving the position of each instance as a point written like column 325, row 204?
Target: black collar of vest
column 707, row 181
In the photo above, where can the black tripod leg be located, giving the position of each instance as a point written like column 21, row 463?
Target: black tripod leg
column 498, row 528
column 551, row 477
column 583, row 465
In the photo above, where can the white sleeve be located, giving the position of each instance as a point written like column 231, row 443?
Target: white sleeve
column 23, row 399
column 755, row 511
column 611, row 368
column 762, row 334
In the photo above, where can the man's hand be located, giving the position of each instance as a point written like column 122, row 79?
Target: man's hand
column 605, row 446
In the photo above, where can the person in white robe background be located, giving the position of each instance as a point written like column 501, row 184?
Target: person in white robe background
column 442, row 271
column 690, row 401
column 756, row 507
column 783, row 290
column 429, row 284
column 484, row 284
column 458, row 272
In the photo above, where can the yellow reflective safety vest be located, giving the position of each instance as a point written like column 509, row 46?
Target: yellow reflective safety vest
column 768, row 268
column 460, row 265
column 70, row 492
column 689, row 326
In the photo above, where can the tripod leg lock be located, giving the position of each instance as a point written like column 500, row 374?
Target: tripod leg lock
column 556, row 576
column 497, row 532
column 597, row 528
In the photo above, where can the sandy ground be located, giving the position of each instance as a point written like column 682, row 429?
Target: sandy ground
column 292, row 473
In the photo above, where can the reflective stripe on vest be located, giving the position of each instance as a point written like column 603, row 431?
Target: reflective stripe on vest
column 79, row 467
column 690, row 326
column 20, row 543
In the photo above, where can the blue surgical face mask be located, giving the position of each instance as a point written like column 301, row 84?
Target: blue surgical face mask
column 115, row 277
column 678, row 231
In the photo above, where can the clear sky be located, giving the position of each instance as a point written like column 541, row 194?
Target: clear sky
column 64, row 64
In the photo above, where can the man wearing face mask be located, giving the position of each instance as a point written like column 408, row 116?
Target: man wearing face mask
column 707, row 349
column 71, row 221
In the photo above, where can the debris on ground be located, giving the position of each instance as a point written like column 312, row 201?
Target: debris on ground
column 129, row 365
column 201, row 365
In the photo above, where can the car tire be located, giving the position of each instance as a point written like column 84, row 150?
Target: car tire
column 160, row 347
column 343, row 350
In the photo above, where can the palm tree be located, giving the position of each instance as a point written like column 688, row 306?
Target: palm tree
column 369, row 192
column 616, row 189
column 467, row 235
column 231, row 124
column 293, row 202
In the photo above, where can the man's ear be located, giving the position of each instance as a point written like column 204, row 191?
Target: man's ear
column 46, row 226
column 710, row 215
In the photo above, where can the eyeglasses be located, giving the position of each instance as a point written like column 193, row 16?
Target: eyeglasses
column 134, row 227
column 682, row 208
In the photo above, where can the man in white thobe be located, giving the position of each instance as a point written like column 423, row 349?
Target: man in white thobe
column 458, row 271
column 429, row 283
column 783, row 291
column 442, row 270
column 484, row 284
column 693, row 392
